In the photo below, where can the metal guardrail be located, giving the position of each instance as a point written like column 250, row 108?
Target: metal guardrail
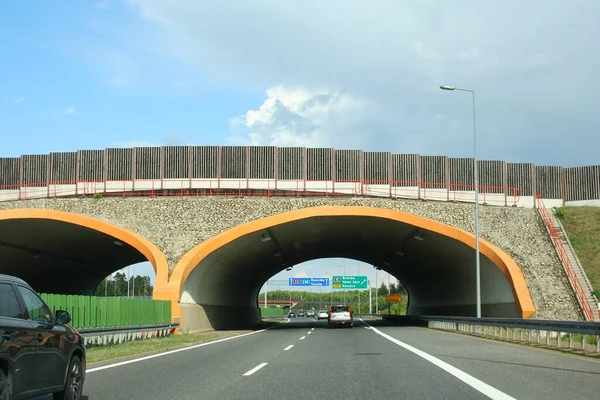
column 525, row 330
column 120, row 334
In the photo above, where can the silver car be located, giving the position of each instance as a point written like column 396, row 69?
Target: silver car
column 340, row 315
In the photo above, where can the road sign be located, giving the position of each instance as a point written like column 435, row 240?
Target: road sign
column 350, row 282
column 308, row 282
column 393, row 298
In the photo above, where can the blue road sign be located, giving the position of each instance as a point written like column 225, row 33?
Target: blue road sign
column 308, row 281
column 319, row 281
column 300, row 282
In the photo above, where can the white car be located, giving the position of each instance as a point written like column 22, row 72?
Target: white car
column 322, row 315
column 340, row 315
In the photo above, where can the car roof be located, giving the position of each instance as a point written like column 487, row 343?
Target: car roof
column 4, row 277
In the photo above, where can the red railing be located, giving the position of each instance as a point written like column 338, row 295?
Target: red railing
column 564, row 259
column 499, row 195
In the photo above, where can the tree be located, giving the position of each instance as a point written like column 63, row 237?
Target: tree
column 117, row 286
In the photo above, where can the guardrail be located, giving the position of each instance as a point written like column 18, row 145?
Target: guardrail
column 564, row 259
column 424, row 190
column 560, row 334
column 116, row 335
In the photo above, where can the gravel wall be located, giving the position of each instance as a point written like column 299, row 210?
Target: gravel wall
column 176, row 225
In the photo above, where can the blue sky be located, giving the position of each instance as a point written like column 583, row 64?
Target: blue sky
column 345, row 74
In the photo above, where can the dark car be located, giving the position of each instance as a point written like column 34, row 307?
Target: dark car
column 39, row 352
column 291, row 314
column 301, row 314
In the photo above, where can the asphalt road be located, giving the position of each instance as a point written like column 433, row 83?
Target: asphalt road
column 304, row 360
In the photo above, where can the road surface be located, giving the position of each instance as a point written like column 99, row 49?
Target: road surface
column 304, row 360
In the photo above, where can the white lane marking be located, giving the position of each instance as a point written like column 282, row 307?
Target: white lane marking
column 303, row 337
column 253, row 370
column 312, row 329
column 289, row 347
column 309, row 332
column 170, row 352
column 475, row 383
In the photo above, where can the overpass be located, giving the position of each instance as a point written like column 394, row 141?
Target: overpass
column 216, row 223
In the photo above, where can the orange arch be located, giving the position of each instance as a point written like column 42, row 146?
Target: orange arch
column 144, row 246
column 502, row 260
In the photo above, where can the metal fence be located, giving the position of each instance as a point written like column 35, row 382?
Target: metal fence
column 250, row 163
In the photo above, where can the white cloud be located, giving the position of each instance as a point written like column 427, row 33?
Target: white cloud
column 19, row 100
column 103, row 5
column 66, row 112
column 301, row 274
column 366, row 75
column 299, row 117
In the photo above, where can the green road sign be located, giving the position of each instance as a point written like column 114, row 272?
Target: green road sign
column 350, row 282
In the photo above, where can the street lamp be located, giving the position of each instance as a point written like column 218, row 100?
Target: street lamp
column 476, row 183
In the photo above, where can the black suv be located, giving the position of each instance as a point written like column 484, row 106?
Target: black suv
column 39, row 353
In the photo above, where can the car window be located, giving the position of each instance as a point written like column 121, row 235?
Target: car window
column 337, row 309
column 37, row 310
column 9, row 304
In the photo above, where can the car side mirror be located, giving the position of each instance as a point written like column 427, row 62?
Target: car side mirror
column 63, row 317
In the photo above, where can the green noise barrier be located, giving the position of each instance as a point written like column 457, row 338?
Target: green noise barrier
column 101, row 312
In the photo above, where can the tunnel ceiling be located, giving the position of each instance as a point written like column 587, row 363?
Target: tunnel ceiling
column 434, row 269
column 61, row 257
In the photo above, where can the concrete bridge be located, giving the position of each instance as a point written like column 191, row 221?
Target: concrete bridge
column 217, row 222
column 212, row 254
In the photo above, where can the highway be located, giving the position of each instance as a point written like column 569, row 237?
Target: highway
column 303, row 359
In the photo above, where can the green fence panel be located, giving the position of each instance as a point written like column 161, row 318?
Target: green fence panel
column 99, row 312
column 272, row 312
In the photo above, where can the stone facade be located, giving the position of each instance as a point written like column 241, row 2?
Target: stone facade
column 178, row 224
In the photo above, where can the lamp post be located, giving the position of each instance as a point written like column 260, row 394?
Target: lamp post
column 476, row 184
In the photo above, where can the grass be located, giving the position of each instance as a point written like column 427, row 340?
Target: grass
column 102, row 353
column 582, row 225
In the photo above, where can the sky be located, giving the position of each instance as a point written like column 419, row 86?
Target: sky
column 347, row 74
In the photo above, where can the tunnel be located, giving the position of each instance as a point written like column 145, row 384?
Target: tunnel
column 218, row 281
column 64, row 253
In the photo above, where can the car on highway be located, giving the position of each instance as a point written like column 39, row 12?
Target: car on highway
column 340, row 315
column 310, row 314
column 40, row 353
column 301, row 314
column 291, row 314
column 322, row 314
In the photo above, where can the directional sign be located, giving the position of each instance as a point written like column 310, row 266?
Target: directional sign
column 393, row 298
column 309, row 281
column 350, row 282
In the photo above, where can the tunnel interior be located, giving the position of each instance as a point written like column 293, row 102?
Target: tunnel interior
column 60, row 257
column 438, row 271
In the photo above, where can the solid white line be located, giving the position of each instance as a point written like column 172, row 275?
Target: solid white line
column 475, row 383
column 289, row 347
column 302, row 338
column 253, row 370
column 170, row 352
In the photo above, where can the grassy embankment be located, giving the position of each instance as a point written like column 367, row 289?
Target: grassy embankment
column 582, row 225
column 99, row 353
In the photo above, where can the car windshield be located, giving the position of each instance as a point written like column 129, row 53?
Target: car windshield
column 339, row 309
